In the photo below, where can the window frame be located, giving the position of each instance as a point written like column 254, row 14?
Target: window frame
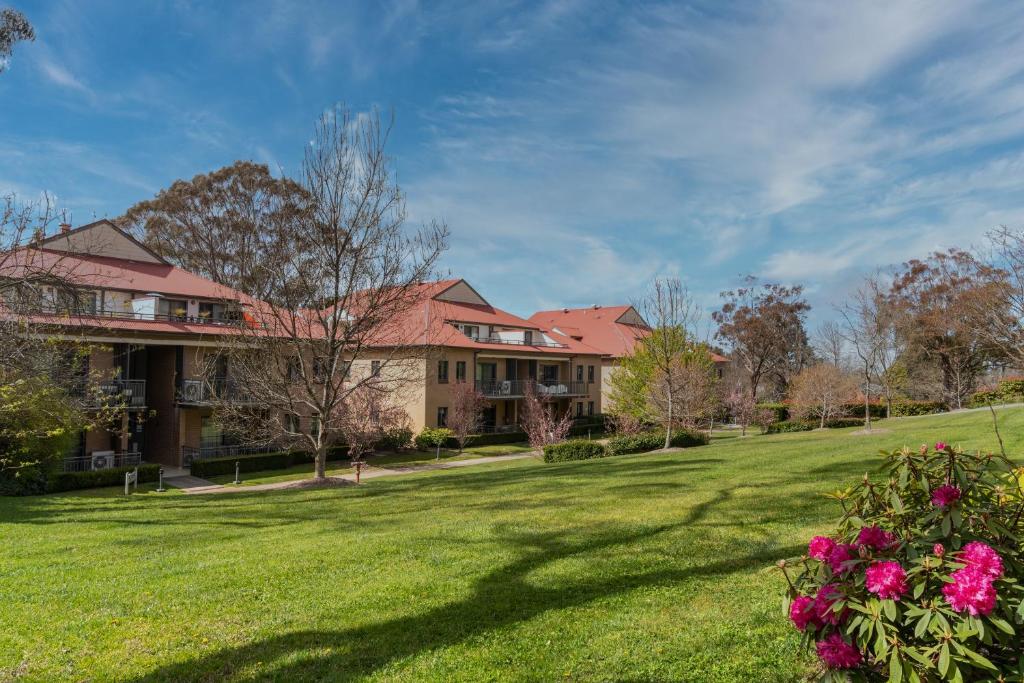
column 442, row 371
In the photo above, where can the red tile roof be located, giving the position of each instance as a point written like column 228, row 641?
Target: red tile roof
column 599, row 327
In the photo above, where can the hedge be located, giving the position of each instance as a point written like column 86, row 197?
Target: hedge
column 70, row 481
column 907, row 408
column 780, row 410
column 246, row 463
column 651, row 441
column 1011, row 389
column 577, row 449
column 841, row 422
column 787, row 426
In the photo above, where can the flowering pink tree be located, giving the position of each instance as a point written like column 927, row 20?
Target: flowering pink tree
column 741, row 407
column 465, row 412
column 922, row 579
column 540, row 421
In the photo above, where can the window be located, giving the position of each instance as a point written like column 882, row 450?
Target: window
column 291, row 423
column 579, row 408
column 549, row 373
column 314, row 426
column 320, row 369
column 460, row 371
column 590, row 374
column 176, row 309
column 375, row 368
column 471, row 331
column 579, row 373
column 442, row 416
column 442, row 371
column 590, row 408
column 294, row 370
column 528, row 337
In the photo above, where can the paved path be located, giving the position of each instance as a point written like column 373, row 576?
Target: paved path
column 187, row 482
column 369, row 472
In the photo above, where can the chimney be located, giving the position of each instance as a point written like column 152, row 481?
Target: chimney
column 65, row 228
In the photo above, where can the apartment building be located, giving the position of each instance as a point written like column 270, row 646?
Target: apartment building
column 154, row 331
column 613, row 331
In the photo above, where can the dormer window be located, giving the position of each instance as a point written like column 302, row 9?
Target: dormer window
column 471, row 331
column 174, row 309
column 528, row 337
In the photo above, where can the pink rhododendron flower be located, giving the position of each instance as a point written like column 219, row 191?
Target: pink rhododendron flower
column 939, row 549
column 837, row 653
column 971, row 591
column 840, row 554
column 945, row 495
column 820, row 547
column 940, row 445
column 982, row 557
column 876, row 538
column 886, row 580
column 802, row 613
column 827, row 596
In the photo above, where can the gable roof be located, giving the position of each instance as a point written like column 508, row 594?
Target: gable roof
column 101, row 238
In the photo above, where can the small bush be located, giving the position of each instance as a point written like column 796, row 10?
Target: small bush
column 71, row 481
column 980, row 399
column 1011, row 390
column 577, row 449
column 842, row 422
column 788, row 426
column 684, row 438
column 246, row 463
column 652, row 441
column 779, row 410
column 907, row 408
column 433, row 437
column 876, row 410
column 395, row 439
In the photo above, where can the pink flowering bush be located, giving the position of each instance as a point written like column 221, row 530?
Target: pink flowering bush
column 922, row 579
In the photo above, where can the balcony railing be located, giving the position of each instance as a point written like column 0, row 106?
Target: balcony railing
column 101, row 460
column 207, row 391
column 546, row 388
column 114, row 392
column 495, row 339
column 88, row 312
column 189, row 454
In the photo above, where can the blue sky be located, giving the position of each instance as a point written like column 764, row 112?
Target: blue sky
column 575, row 149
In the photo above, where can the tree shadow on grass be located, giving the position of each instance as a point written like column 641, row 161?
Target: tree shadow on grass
column 502, row 597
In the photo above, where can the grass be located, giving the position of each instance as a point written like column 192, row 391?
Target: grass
column 305, row 470
column 634, row 568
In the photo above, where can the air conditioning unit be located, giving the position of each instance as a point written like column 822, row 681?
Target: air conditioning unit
column 102, row 460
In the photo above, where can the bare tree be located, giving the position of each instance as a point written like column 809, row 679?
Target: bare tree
column 541, row 423
column 695, row 386
column 741, row 407
column 763, row 324
column 364, row 417
column 823, row 392
column 14, row 27
column 863, row 329
column 999, row 318
column 351, row 249
column 673, row 315
column 625, row 424
column 465, row 412
column 829, row 343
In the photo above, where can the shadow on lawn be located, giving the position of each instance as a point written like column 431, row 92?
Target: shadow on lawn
column 502, row 597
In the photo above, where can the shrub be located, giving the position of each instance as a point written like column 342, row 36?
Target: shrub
column 246, row 463
column 921, row 579
column 577, row 449
column 394, row 439
column 907, row 408
column 876, row 410
column 780, row 411
column 432, row 437
column 789, row 426
column 684, row 438
column 980, row 399
column 70, row 481
column 652, row 441
column 841, row 422
column 1011, row 389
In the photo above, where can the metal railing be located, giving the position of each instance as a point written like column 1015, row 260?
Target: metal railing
column 113, row 392
column 101, row 460
column 495, row 339
column 546, row 388
column 86, row 312
column 205, row 391
column 190, row 454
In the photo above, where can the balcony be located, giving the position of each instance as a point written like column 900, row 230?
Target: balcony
column 101, row 460
column 113, row 393
column 200, row 392
column 517, row 388
column 189, row 454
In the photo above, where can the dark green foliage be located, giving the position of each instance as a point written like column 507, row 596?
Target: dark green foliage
column 395, row 439
column 247, row 463
column 577, row 449
column 842, row 422
column 787, row 426
column 70, row 481
column 781, row 410
column 907, row 408
column 432, row 437
column 651, row 441
column 1011, row 389
column 876, row 410
column 980, row 399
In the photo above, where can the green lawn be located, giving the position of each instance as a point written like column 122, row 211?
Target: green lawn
column 305, row 470
column 636, row 568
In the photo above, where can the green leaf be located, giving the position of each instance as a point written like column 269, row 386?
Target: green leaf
column 889, row 607
column 897, row 504
column 980, row 659
column 918, row 590
column 944, row 659
column 946, row 525
column 922, row 625
column 895, row 668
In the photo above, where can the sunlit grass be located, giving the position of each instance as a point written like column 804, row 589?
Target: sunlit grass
column 639, row 568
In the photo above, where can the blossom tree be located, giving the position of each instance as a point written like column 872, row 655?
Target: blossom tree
column 465, row 412
column 741, row 407
column 822, row 392
column 541, row 423
column 365, row 416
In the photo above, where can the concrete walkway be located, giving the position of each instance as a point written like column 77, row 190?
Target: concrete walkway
column 204, row 487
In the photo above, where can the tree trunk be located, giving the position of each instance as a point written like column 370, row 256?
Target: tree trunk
column 668, row 426
column 822, row 426
column 320, row 464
